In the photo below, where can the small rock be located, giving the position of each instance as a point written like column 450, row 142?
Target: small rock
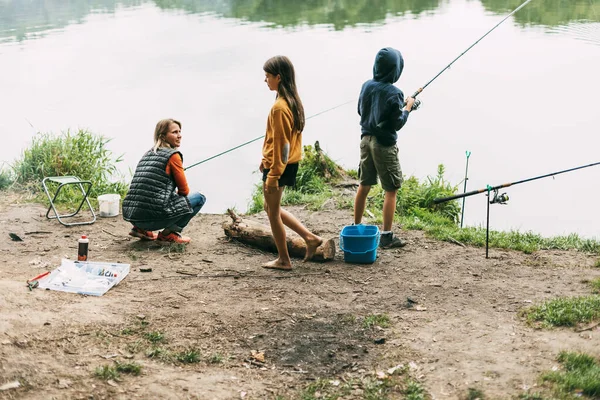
column 381, row 375
column 10, row 385
column 379, row 341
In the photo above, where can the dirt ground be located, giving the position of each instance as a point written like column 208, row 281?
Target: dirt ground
column 462, row 331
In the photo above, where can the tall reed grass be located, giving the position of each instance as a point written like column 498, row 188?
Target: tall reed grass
column 81, row 153
column 6, row 177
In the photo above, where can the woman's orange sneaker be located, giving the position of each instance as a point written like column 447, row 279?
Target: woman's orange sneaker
column 173, row 237
column 142, row 234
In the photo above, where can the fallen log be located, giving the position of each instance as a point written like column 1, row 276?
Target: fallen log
column 255, row 234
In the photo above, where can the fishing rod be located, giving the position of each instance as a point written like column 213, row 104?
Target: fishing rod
column 261, row 136
column 495, row 198
column 503, row 198
column 418, row 103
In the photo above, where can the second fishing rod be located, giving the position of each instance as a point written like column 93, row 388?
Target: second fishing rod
column 415, row 106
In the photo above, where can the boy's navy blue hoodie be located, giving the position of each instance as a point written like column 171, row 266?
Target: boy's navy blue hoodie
column 380, row 103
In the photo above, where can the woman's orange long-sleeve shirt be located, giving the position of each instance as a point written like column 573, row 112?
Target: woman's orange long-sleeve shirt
column 175, row 169
column 283, row 144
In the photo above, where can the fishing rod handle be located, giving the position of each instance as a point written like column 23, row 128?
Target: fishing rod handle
column 415, row 94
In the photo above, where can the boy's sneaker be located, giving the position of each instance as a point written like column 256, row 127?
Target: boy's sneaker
column 173, row 237
column 389, row 241
column 142, row 234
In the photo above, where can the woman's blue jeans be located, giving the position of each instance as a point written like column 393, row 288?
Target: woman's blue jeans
column 177, row 224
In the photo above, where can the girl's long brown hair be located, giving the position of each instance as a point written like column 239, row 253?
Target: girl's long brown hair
column 282, row 66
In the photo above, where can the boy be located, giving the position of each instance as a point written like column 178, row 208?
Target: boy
column 382, row 112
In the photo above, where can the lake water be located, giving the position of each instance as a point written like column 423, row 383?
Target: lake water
column 523, row 100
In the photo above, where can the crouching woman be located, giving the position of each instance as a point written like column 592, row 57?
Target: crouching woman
column 159, row 197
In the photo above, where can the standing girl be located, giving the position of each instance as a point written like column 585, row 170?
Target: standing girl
column 282, row 150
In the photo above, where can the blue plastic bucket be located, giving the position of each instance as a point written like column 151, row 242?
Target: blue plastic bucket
column 359, row 243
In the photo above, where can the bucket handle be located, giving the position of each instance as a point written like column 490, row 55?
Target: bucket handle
column 358, row 252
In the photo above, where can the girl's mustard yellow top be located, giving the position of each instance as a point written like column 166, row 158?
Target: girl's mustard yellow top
column 283, row 144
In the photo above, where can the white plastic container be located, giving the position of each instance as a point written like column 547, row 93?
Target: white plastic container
column 109, row 205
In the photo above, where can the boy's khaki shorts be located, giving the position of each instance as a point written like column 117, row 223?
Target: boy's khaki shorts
column 379, row 161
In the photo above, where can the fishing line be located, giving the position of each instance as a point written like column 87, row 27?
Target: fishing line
column 415, row 106
column 262, row 136
column 464, row 52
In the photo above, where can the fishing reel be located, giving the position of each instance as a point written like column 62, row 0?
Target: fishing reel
column 416, row 105
column 499, row 198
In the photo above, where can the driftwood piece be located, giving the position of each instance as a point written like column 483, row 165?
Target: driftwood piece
column 255, row 234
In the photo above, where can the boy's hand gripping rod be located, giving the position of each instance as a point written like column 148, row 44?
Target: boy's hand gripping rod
column 417, row 102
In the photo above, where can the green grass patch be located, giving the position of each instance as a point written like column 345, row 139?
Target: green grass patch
column 129, row 368
column 564, row 311
column 190, row 356
column 597, row 263
column 215, row 358
column 595, row 284
column 352, row 173
column 580, row 375
column 107, row 372
column 159, row 353
column 414, row 390
column 154, row 337
column 474, row 394
column 128, row 331
column 442, row 228
column 381, row 320
column 391, row 387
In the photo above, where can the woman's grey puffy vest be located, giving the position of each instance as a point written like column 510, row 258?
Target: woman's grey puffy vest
column 152, row 195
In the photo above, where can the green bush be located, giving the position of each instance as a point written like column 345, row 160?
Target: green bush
column 416, row 198
column 82, row 154
column 6, row 178
column 315, row 172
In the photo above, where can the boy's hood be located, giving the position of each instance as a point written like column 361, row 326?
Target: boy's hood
column 388, row 65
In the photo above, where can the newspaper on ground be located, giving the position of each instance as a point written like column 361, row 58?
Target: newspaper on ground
column 85, row 277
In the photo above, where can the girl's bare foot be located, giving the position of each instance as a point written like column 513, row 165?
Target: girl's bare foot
column 311, row 247
column 278, row 264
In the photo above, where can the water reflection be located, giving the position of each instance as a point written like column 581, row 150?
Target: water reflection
column 548, row 12
column 25, row 19
column 337, row 14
